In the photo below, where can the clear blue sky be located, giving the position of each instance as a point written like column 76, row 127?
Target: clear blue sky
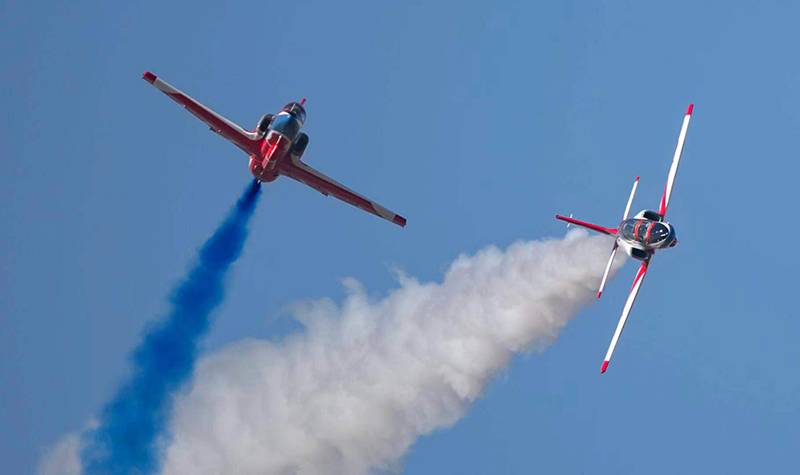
column 476, row 121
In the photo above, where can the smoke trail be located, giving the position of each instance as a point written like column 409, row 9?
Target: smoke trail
column 126, row 439
column 351, row 393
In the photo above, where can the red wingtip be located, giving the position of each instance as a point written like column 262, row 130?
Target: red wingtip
column 637, row 178
column 149, row 77
column 399, row 220
column 604, row 367
column 303, row 101
column 599, row 294
column 690, row 109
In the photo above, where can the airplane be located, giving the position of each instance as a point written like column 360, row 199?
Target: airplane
column 275, row 147
column 641, row 236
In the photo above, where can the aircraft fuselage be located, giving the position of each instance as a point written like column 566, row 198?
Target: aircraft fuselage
column 645, row 233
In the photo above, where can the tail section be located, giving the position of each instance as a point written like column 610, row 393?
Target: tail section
column 593, row 227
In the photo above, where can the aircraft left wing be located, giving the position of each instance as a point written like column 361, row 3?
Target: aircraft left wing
column 298, row 170
column 243, row 139
column 637, row 283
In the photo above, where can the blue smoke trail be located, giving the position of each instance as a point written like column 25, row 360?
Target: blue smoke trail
column 126, row 440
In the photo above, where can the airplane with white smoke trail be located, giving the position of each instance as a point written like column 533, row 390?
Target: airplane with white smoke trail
column 641, row 236
column 275, row 148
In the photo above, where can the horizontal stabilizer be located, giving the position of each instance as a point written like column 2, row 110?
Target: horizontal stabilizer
column 593, row 227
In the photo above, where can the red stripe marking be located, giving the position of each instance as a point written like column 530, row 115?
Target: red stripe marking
column 639, row 274
column 604, row 367
column 690, row 109
column 149, row 77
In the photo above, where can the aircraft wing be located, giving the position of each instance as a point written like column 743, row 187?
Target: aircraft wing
column 673, row 169
column 637, row 283
column 241, row 138
column 298, row 170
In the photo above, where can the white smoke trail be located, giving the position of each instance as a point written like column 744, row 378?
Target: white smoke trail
column 351, row 393
column 366, row 379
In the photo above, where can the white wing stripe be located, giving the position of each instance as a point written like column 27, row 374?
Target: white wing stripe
column 676, row 158
column 630, row 199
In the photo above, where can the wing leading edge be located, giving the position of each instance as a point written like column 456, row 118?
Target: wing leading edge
column 637, row 283
column 298, row 170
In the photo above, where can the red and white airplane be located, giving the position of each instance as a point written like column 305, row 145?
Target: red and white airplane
column 641, row 236
column 275, row 147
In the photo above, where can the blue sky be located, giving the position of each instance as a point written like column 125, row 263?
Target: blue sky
column 477, row 122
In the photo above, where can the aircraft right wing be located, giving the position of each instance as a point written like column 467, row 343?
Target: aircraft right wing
column 243, row 139
column 637, row 283
column 676, row 160
column 298, row 170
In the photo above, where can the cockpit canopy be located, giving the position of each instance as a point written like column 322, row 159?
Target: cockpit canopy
column 286, row 124
column 297, row 110
column 647, row 232
column 289, row 120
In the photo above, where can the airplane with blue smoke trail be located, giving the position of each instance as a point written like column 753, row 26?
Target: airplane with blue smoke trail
column 641, row 236
column 275, row 148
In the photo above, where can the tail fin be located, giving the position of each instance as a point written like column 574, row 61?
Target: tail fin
column 593, row 227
